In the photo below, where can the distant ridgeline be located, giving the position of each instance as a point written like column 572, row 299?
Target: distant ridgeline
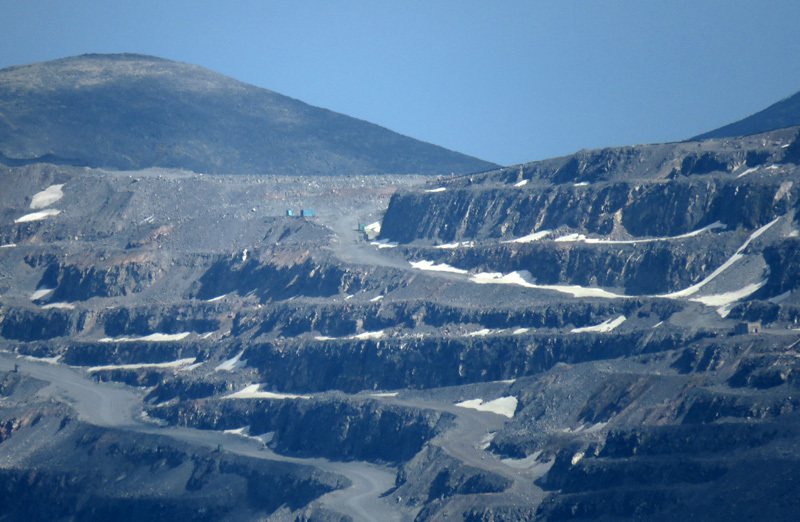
column 785, row 113
column 131, row 112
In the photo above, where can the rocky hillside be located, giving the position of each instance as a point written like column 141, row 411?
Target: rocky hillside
column 132, row 112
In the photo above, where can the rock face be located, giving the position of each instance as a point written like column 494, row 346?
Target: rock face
column 130, row 112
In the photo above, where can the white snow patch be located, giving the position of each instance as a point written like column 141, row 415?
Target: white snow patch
column 463, row 244
column 40, row 293
column 170, row 364
column 780, row 298
column 605, row 326
column 521, row 183
column 725, row 301
column 36, row 216
column 727, row 264
column 784, row 189
column 46, row 360
column 62, row 306
column 384, row 243
column 440, row 189
column 231, row 364
column 206, row 335
column 592, row 240
column 376, row 298
column 581, row 184
column 748, row 171
column 442, row 267
column 324, row 338
column 483, row 332
column 536, row 236
column 190, row 367
column 577, row 457
column 252, row 392
column 571, row 238
column 244, row 255
column 384, row 394
column 367, row 335
column 520, row 331
column 502, row 406
column 658, row 324
column 214, row 299
column 158, row 337
column 520, row 279
column 373, row 227
column 47, row 197
column 773, row 167
column 8, row 245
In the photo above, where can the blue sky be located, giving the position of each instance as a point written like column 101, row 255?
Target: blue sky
column 507, row 81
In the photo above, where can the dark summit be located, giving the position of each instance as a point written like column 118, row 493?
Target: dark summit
column 130, row 112
column 785, row 113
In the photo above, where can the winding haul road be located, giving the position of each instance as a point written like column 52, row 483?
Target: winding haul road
column 117, row 406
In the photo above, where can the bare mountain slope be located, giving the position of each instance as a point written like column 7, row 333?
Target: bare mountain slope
column 785, row 113
column 130, row 112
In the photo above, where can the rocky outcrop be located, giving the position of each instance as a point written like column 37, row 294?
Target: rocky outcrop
column 433, row 474
column 336, row 428
column 670, row 208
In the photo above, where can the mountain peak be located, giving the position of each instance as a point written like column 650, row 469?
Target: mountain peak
column 785, row 113
column 131, row 111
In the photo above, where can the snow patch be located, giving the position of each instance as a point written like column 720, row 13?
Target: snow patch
column 36, row 216
column 429, row 265
column 577, row 457
column 520, row 331
column 231, row 364
column 157, row 337
column 384, row 394
column 170, row 364
column 725, row 301
column 62, row 306
column 483, row 332
column 8, row 245
column 440, row 189
column 502, row 406
column 367, row 335
column 376, row 298
column 463, row 244
column 47, row 197
column 780, row 298
column 520, row 279
column 748, row 171
column 40, row 293
column 581, row 184
column 46, row 360
column 521, row 183
column 252, row 392
column 572, row 238
column 530, row 238
column 215, row 299
column 783, row 190
column 605, row 326
column 384, row 243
